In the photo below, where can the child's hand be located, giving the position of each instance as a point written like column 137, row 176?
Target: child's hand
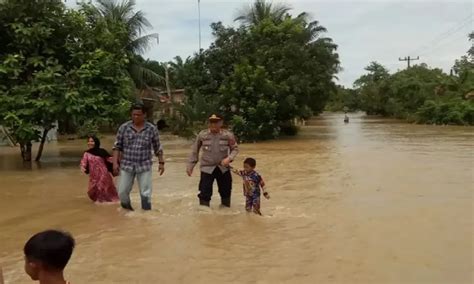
column 235, row 171
column 266, row 195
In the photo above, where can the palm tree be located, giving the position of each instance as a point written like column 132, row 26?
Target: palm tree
column 312, row 28
column 179, row 70
column 261, row 10
column 134, row 42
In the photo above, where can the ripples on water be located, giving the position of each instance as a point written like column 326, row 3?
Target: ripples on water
column 373, row 201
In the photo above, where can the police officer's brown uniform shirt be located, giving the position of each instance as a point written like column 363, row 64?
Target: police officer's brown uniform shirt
column 215, row 148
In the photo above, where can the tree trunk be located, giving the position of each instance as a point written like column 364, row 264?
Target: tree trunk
column 26, row 151
column 167, row 82
column 41, row 146
column 10, row 139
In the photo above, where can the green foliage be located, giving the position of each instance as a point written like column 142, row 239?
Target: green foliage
column 89, row 127
column 289, row 129
column 190, row 117
column 127, row 25
column 453, row 111
column 264, row 74
column 343, row 99
column 57, row 65
column 464, row 70
column 250, row 92
column 30, row 69
column 420, row 93
column 22, row 131
column 262, row 10
column 371, row 89
column 178, row 126
column 408, row 89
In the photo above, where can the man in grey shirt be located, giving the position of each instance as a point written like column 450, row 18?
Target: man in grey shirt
column 219, row 150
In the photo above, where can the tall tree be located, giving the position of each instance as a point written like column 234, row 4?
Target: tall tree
column 263, row 74
column 133, row 40
column 260, row 10
column 376, row 73
column 371, row 89
column 285, row 61
column 178, row 69
column 55, row 64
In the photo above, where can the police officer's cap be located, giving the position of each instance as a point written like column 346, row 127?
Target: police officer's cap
column 215, row 117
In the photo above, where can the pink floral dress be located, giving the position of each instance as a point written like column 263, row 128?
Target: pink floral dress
column 101, row 183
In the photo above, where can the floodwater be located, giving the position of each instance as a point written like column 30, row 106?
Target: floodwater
column 373, row 201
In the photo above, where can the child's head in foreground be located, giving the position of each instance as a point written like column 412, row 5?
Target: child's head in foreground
column 249, row 164
column 47, row 252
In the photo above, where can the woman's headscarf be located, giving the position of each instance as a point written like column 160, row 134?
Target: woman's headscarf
column 97, row 151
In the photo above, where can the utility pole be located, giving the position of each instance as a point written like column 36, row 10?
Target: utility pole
column 199, row 15
column 408, row 59
column 167, row 80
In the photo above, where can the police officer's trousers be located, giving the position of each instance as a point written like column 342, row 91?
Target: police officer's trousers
column 224, row 183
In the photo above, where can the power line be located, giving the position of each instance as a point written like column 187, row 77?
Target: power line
column 457, row 27
column 199, row 15
column 444, row 44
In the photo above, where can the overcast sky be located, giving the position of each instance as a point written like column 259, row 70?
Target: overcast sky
column 365, row 31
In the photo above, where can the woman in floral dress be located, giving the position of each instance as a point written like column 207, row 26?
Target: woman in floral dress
column 95, row 163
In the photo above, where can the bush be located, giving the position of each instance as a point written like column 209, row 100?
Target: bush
column 469, row 114
column 88, row 128
column 179, row 126
column 451, row 111
column 289, row 129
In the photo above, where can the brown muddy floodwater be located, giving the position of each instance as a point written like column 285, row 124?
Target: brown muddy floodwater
column 373, row 201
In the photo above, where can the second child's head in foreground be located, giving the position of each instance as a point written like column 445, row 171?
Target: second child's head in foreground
column 249, row 165
column 47, row 253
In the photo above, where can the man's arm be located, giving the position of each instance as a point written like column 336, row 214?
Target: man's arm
column 157, row 148
column 234, row 148
column 194, row 157
column 116, row 155
column 118, row 148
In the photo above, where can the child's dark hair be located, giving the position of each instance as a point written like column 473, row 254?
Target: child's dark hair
column 52, row 248
column 251, row 162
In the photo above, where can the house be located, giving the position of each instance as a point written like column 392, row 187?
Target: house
column 159, row 103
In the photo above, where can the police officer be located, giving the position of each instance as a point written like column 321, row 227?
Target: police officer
column 219, row 149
